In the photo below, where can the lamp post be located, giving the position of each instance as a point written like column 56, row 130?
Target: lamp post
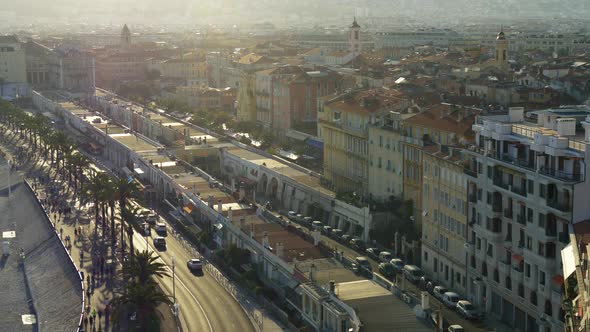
column 8, row 174
column 174, row 285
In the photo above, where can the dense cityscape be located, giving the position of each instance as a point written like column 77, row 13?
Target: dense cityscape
column 295, row 166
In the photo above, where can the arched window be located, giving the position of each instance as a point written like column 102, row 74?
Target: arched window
column 548, row 308
column 508, row 283
column 534, row 297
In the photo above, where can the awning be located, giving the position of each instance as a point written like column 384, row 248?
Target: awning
column 517, row 258
column 567, row 258
column 315, row 143
column 189, row 208
column 557, row 279
column 138, row 170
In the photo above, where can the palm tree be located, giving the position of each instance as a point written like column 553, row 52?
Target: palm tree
column 143, row 266
column 143, row 298
column 125, row 190
column 93, row 190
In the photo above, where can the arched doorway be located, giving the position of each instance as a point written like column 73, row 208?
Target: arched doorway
column 262, row 184
column 274, row 186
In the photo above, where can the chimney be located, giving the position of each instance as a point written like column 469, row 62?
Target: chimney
column 265, row 242
column 219, row 206
column 229, row 214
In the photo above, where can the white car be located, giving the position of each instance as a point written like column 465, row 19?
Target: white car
column 292, row 215
column 439, row 291
column 160, row 228
column 467, row 309
column 450, row 299
column 194, row 264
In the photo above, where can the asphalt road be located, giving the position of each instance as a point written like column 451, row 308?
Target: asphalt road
column 204, row 304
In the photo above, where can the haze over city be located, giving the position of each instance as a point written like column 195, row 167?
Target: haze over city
column 276, row 165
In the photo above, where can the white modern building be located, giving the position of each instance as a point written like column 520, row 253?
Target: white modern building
column 527, row 185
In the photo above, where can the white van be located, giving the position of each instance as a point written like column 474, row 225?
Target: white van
column 413, row 273
column 450, row 299
column 385, row 256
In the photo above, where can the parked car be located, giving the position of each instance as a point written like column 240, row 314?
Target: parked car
column 345, row 238
column 373, row 253
column 317, row 225
column 467, row 310
column 194, row 264
column 385, row 256
column 413, row 273
column 291, row 215
column 398, row 264
column 152, row 218
column 306, row 221
column 456, row 328
column 160, row 242
column 424, row 282
column 299, row 217
column 438, row 292
column 357, row 244
column 161, row 228
column 336, row 234
column 386, row 269
column 450, row 299
column 145, row 227
column 327, row 230
column 363, row 263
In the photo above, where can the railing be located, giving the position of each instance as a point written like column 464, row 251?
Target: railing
column 500, row 183
column 470, row 172
column 522, row 162
column 561, row 175
column 577, row 145
column 561, row 206
column 519, row 191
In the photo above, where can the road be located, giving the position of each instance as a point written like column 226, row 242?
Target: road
column 203, row 304
column 451, row 315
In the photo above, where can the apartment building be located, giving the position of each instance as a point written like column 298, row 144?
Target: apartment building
column 526, row 188
column 444, row 216
column 344, row 127
column 13, row 77
column 192, row 69
column 443, row 124
column 386, row 156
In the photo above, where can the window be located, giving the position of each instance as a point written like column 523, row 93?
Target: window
column 521, row 290
column 541, row 220
column 508, row 283
column 527, row 270
column 529, row 215
column 533, row 298
column 478, row 244
column 484, row 269
column 531, row 187
column 472, row 262
column 548, row 308
column 426, row 256
column 496, row 275
column 541, row 249
column 490, row 251
column 435, row 265
column 542, row 278
column 529, row 243
column 542, row 189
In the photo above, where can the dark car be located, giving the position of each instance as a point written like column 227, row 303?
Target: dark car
column 345, row 238
column 373, row 253
column 357, row 244
column 387, row 270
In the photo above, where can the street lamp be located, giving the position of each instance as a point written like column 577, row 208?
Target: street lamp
column 174, row 286
column 8, row 174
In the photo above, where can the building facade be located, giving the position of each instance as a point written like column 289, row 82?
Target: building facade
column 527, row 186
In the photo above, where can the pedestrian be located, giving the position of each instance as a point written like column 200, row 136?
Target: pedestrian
column 88, row 293
column 61, row 232
column 99, row 316
column 94, row 314
column 107, row 311
column 91, row 321
column 85, row 320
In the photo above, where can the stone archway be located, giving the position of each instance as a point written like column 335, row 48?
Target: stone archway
column 262, row 184
column 273, row 188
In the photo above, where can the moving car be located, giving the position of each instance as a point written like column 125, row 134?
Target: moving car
column 386, row 269
column 450, row 299
column 160, row 228
column 160, row 242
column 467, row 310
column 413, row 273
column 438, row 292
column 194, row 264
column 373, row 253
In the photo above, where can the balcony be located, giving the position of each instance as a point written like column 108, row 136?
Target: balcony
column 470, row 172
column 500, row 183
column 504, row 268
column 516, row 274
column 497, row 207
column 559, row 205
column 519, row 191
column 508, row 213
column 521, row 162
column 561, row 175
column 521, row 219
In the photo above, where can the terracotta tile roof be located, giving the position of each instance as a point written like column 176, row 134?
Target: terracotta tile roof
column 367, row 101
column 253, row 58
column 450, row 122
